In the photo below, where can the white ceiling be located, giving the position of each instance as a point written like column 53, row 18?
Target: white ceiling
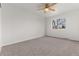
column 66, row 7
column 34, row 7
column 63, row 7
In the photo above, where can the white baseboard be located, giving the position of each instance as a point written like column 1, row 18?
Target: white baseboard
column 29, row 38
column 62, row 38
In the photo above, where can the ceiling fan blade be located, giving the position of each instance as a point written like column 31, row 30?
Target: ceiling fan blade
column 52, row 9
column 52, row 4
column 47, row 7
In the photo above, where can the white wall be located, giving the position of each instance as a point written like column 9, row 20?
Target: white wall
column 20, row 24
column 72, row 26
column 0, row 30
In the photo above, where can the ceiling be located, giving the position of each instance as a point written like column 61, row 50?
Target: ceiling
column 34, row 7
column 66, row 7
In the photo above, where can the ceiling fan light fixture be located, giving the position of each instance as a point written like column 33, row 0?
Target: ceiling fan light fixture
column 49, row 7
column 46, row 9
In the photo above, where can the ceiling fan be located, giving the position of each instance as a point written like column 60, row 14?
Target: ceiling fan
column 47, row 7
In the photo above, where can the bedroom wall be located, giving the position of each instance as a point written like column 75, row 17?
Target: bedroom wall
column 72, row 26
column 0, row 31
column 20, row 24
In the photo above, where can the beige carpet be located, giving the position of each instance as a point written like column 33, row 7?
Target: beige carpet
column 45, row 46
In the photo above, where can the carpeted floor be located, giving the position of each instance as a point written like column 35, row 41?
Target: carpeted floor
column 45, row 46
